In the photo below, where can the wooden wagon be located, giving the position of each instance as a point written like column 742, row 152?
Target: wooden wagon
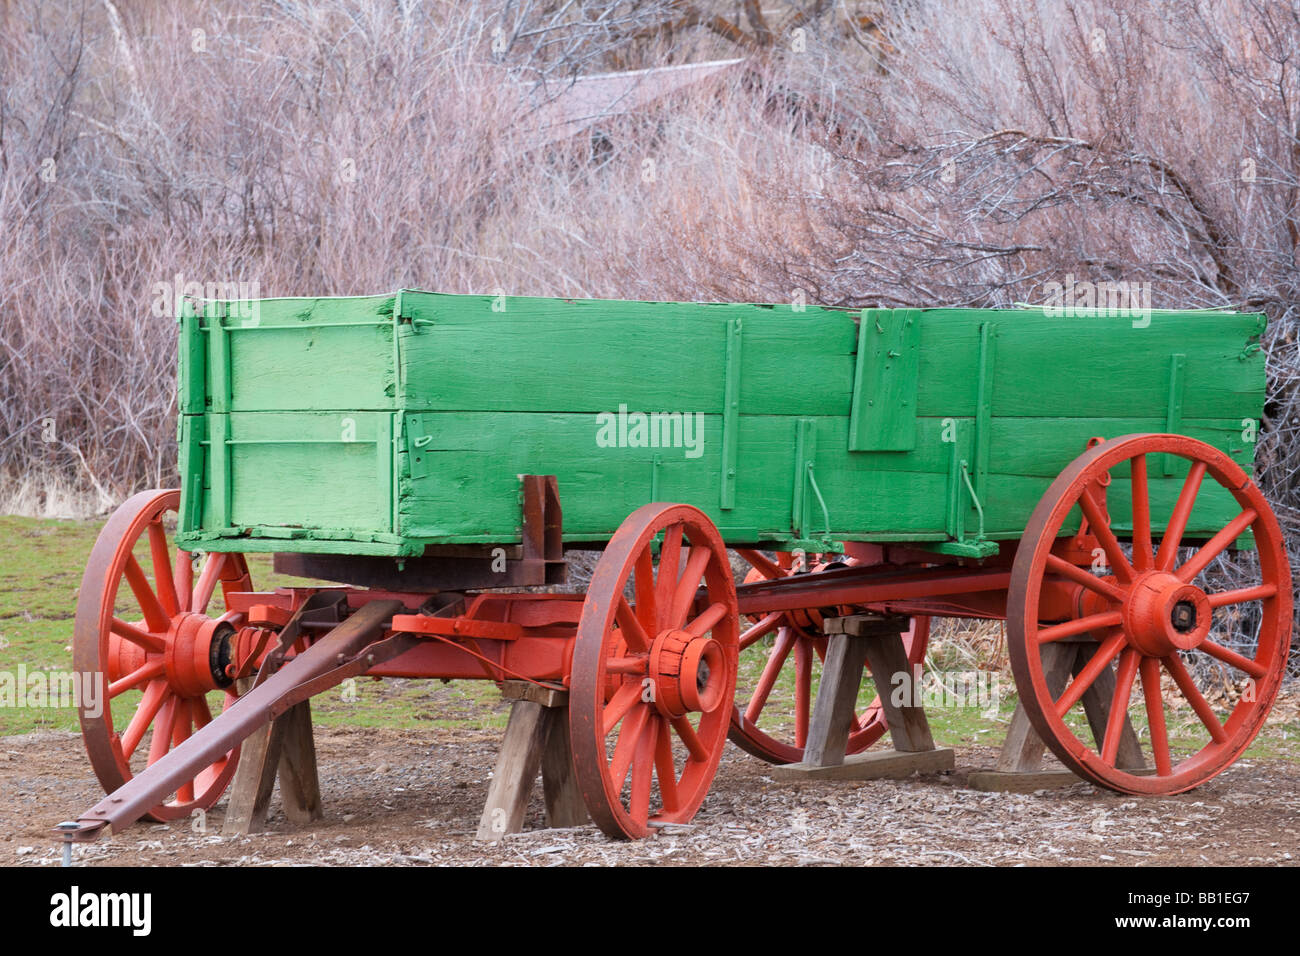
column 437, row 455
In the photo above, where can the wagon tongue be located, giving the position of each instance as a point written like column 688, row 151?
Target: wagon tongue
column 347, row 650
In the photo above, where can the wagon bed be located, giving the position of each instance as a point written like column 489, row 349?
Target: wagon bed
column 390, row 425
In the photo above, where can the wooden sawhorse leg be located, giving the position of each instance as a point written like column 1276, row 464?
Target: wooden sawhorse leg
column 876, row 641
column 536, row 737
column 1019, row 765
column 283, row 748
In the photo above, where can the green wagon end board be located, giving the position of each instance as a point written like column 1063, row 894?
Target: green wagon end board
column 388, row 424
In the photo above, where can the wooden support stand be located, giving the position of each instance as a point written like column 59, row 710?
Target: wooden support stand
column 1019, row 765
column 283, row 748
column 536, row 737
column 876, row 641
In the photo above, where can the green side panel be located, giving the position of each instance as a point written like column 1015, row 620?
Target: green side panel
column 287, row 473
column 484, row 353
column 883, row 415
column 384, row 424
column 1091, row 365
column 308, row 354
column 468, row 486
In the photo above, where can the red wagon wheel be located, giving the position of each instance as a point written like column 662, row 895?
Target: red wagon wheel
column 771, row 715
column 654, row 671
column 149, row 631
column 1149, row 612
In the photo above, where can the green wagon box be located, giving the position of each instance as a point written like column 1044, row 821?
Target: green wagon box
column 392, row 425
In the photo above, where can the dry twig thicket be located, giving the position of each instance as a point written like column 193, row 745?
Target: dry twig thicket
column 885, row 153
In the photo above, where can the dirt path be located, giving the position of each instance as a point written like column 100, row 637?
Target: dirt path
column 395, row 797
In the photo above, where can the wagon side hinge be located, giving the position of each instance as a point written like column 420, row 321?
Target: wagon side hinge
column 730, row 417
column 960, row 487
column 806, row 492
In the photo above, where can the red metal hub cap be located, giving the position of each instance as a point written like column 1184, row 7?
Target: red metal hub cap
column 1164, row 614
column 690, row 674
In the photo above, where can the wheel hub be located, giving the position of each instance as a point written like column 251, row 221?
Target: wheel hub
column 198, row 652
column 689, row 673
column 1163, row 615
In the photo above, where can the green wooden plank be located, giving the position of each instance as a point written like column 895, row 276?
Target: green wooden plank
column 1174, row 416
column 731, row 415
column 218, row 376
column 983, row 439
column 191, row 379
column 883, row 412
column 219, row 475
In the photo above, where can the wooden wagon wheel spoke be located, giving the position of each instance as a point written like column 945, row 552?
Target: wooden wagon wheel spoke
column 1193, row 696
column 687, row 587
column 690, row 738
column 802, row 690
column 147, row 657
column 1085, row 578
column 142, row 639
column 1099, row 662
column 1140, row 497
column 141, row 675
column 154, row 698
column 652, row 676
column 1155, row 707
column 162, row 569
column 155, row 617
column 785, row 641
column 624, row 699
column 1153, row 618
column 1173, row 537
column 1081, row 625
column 760, row 630
column 183, row 577
column 1241, row 595
column 1233, row 659
column 632, row 627
column 1216, row 546
column 666, row 767
column 778, row 683
column 212, row 568
column 670, row 556
column 1126, row 672
column 1099, row 525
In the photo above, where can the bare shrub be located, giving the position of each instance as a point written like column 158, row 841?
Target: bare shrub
column 909, row 154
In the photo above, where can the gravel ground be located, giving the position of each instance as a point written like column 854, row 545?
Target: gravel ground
column 405, row 797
